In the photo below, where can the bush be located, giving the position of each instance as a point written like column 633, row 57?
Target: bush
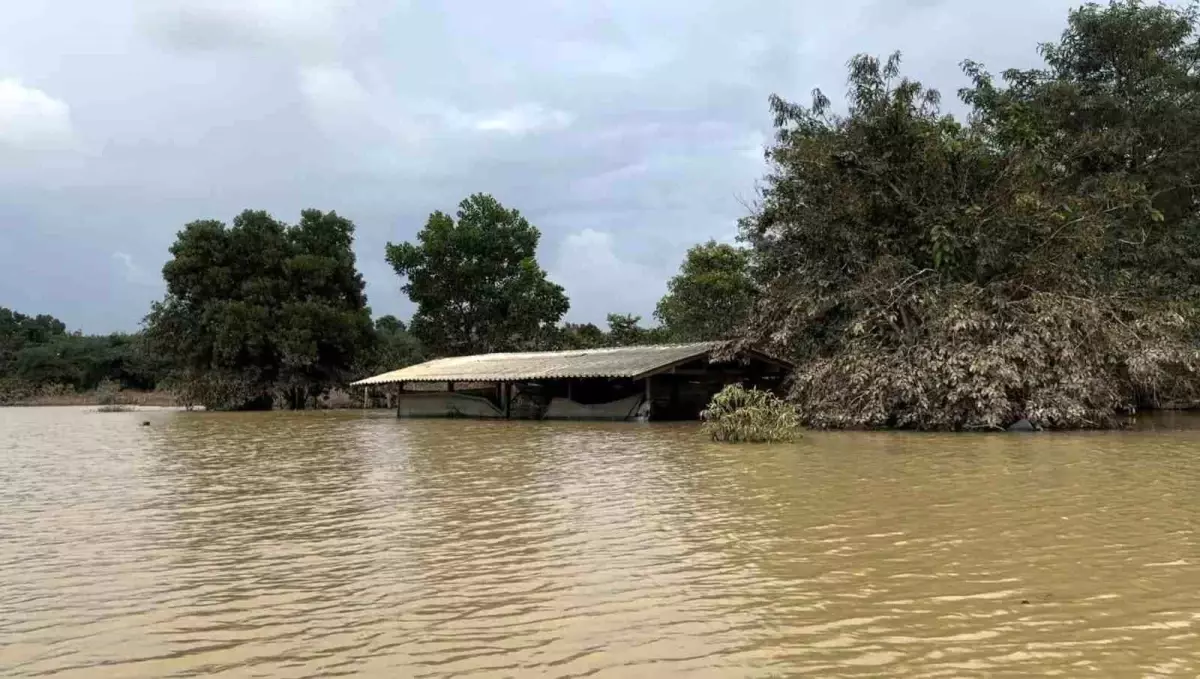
column 739, row 415
column 108, row 397
column 985, row 362
column 14, row 391
column 107, row 393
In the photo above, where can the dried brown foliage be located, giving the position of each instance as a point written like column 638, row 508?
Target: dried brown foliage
column 1040, row 261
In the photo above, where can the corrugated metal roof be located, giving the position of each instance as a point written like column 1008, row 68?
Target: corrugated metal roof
column 617, row 362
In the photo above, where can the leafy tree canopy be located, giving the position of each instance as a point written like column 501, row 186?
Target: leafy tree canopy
column 710, row 297
column 581, row 336
column 625, row 330
column 18, row 331
column 476, row 282
column 261, row 310
column 394, row 348
column 1039, row 260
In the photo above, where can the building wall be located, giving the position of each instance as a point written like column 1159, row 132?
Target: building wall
column 566, row 409
column 446, row 404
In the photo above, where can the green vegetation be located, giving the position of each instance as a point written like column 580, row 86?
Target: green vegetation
column 712, row 295
column 709, row 299
column 109, row 400
column 477, row 283
column 393, row 348
column 39, row 358
column 581, row 336
column 624, row 330
column 479, row 289
column 1038, row 261
column 261, row 312
column 739, row 415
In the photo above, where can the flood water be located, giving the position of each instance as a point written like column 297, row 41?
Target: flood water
column 323, row 544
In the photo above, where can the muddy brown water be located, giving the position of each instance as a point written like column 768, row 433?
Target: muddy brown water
column 324, row 544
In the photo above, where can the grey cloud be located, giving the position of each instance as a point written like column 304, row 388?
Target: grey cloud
column 626, row 131
column 213, row 25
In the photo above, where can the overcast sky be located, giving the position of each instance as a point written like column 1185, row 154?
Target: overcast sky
column 626, row 130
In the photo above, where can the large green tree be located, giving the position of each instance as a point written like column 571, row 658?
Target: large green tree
column 476, row 282
column 1037, row 261
column 261, row 311
column 711, row 296
column 1106, row 130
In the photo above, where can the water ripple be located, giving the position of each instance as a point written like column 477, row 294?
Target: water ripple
column 344, row 544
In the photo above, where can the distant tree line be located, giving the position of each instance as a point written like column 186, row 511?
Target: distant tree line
column 37, row 352
column 260, row 313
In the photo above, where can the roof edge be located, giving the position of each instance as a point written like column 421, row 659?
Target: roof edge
column 691, row 351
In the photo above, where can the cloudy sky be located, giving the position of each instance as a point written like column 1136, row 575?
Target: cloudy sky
column 626, row 130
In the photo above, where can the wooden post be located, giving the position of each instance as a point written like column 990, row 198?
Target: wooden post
column 450, row 387
column 649, row 398
column 569, row 390
column 505, row 397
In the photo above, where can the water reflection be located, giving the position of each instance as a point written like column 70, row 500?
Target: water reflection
column 306, row 545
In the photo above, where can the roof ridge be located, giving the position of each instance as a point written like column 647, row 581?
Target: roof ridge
column 550, row 352
column 628, row 361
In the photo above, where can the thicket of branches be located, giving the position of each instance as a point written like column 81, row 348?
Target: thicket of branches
column 1039, row 260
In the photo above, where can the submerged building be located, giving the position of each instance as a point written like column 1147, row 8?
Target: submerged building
column 660, row 382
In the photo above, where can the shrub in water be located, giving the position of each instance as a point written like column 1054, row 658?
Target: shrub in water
column 739, row 415
column 108, row 398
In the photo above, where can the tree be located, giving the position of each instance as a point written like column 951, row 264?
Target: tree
column 83, row 362
column 262, row 311
column 393, row 348
column 1106, row 131
column 625, row 330
column 581, row 336
column 710, row 297
column 476, row 282
column 1038, row 262
column 37, row 353
column 18, row 331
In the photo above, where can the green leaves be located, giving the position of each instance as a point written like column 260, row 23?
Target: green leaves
column 710, row 297
column 476, row 281
column 625, row 330
column 39, row 354
column 262, row 311
column 740, row 415
column 929, row 274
